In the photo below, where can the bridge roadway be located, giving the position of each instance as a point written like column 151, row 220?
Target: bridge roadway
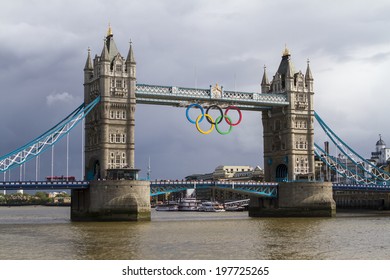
column 161, row 187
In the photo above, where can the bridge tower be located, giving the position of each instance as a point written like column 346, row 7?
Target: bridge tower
column 289, row 130
column 288, row 134
column 115, row 192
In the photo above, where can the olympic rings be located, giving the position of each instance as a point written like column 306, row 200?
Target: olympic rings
column 211, row 120
column 198, row 127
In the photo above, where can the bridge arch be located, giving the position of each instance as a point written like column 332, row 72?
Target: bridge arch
column 281, row 173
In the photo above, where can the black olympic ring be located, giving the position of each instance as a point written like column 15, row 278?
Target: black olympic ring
column 220, row 111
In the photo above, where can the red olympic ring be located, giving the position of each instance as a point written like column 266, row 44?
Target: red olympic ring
column 239, row 114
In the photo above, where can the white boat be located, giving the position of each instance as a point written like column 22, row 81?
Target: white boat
column 211, row 206
column 189, row 204
column 170, row 206
column 234, row 208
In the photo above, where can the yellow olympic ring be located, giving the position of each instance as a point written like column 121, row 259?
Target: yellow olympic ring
column 198, row 127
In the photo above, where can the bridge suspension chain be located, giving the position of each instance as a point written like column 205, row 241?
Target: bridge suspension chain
column 374, row 173
column 337, row 166
column 47, row 139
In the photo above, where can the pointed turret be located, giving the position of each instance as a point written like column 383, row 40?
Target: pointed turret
column 286, row 70
column 88, row 68
column 265, row 85
column 88, row 63
column 110, row 50
column 104, row 56
column 130, row 62
column 309, row 77
column 130, row 54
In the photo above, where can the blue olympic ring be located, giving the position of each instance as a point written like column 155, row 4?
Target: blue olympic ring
column 197, row 106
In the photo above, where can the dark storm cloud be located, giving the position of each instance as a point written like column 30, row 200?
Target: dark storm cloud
column 194, row 43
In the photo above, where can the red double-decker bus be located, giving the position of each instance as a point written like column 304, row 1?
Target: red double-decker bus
column 60, row 178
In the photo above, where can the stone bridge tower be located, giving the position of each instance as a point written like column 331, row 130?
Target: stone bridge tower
column 109, row 128
column 115, row 193
column 289, row 149
column 289, row 131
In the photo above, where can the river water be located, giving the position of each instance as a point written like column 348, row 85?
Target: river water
column 47, row 233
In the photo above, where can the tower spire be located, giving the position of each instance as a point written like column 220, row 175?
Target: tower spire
column 88, row 63
column 130, row 54
column 104, row 56
column 265, row 85
column 286, row 51
column 308, row 75
column 109, row 31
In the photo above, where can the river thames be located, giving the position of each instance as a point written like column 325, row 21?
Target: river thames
column 40, row 232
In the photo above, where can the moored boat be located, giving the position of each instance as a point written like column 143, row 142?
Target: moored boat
column 169, row 206
column 189, row 204
column 211, row 206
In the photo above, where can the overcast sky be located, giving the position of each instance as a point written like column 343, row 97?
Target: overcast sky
column 194, row 43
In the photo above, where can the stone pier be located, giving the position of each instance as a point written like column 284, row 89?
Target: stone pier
column 296, row 199
column 112, row 200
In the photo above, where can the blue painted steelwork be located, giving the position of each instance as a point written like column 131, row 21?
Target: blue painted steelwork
column 341, row 169
column 47, row 139
column 182, row 97
column 251, row 188
column 44, row 185
column 385, row 187
column 163, row 187
column 375, row 174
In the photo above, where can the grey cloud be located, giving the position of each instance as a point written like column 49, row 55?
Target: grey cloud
column 187, row 43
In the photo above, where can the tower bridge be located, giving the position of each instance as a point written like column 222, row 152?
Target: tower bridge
column 287, row 110
column 112, row 189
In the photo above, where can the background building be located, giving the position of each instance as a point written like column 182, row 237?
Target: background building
column 223, row 173
column 381, row 154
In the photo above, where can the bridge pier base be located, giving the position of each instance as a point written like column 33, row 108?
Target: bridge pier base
column 112, row 200
column 296, row 199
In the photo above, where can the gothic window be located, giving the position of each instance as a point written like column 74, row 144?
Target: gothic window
column 118, row 114
column 112, row 83
column 111, row 114
column 123, row 138
column 118, row 68
column 118, row 138
column 124, row 115
column 119, row 83
column 277, row 125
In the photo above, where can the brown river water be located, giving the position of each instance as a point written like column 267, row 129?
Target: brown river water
column 47, row 233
